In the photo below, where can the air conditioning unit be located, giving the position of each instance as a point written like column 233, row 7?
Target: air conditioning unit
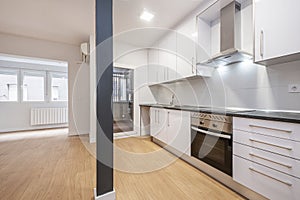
column 85, row 52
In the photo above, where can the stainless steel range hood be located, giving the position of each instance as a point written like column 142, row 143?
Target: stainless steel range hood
column 230, row 25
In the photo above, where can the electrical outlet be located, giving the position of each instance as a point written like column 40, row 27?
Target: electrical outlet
column 294, row 88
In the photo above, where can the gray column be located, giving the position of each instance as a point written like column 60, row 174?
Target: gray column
column 104, row 60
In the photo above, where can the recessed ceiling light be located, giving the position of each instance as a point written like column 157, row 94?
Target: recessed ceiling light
column 147, row 16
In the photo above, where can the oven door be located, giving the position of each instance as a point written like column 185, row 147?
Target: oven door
column 212, row 148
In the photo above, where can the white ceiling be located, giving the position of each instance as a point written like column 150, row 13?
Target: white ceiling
column 167, row 14
column 67, row 21
column 72, row 21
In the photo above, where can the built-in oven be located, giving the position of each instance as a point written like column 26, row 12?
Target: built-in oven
column 211, row 136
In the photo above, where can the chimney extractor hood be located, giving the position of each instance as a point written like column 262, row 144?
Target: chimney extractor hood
column 230, row 37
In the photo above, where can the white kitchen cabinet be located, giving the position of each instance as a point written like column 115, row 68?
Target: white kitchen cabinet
column 178, row 130
column 186, row 48
column 283, row 130
column 277, row 31
column 167, row 55
column 167, row 62
column 266, row 157
column 158, row 119
column 155, row 70
column 278, row 162
column 171, row 127
column 266, row 181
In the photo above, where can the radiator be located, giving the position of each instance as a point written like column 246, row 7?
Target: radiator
column 48, row 116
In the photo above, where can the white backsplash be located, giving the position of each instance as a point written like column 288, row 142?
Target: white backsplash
column 243, row 85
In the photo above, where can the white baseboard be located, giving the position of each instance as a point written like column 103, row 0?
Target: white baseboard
column 92, row 140
column 125, row 134
column 108, row 196
column 119, row 136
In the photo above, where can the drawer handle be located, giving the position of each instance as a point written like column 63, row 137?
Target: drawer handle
column 269, row 128
column 267, row 159
column 271, row 144
column 276, row 179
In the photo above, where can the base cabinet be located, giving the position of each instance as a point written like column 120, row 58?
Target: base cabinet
column 158, row 119
column 266, row 158
column 178, row 131
column 266, row 181
column 171, row 127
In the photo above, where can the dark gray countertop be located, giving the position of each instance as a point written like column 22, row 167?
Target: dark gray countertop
column 291, row 117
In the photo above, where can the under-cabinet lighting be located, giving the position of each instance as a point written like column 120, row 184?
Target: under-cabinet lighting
column 147, row 16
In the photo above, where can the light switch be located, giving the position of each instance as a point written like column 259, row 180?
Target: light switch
column 294, row 88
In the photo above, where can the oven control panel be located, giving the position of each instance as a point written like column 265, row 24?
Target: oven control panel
column 215, row 122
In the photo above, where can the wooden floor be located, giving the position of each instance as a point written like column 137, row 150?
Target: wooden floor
column 45, row 165
column 50, row 165
column 172, row 179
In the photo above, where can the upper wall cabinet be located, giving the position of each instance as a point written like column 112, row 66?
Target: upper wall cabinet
column 277, row 31
column 186, row 44
column 167, row 55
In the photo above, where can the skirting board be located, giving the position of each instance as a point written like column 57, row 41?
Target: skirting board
column 119, row 136
column 92, row 140
column 125, row 134
column 108, row 196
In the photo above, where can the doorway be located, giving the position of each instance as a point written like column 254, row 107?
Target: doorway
column 123, row 95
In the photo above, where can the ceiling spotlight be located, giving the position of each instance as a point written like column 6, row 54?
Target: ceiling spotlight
column 147, row 16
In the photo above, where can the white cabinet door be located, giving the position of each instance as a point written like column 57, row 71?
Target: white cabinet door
column 139, row 77
column 155, row 71
column 178, row 130
column 167, row 55
column 162, row 126
column 167, row 61
column 277, row 29
column 158, row 125
column 153, row 122
column 186, row 44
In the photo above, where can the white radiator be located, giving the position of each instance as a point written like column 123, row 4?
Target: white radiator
column 48, row 116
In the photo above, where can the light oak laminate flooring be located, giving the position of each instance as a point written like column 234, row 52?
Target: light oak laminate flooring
column 173, row 179
column 50, row 165
column 41, row 165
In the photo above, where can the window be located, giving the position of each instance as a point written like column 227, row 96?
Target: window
column 120, row 86
column 34, row 86
column 59, row 87
column 8, row 85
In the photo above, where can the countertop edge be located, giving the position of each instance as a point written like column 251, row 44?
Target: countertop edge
column 237, row 114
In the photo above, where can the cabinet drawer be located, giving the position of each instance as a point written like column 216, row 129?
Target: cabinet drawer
column 283, row 147
column 283, row 130
column 265, row 181
column 275, row 161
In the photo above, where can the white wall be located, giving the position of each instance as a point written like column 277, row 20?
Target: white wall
column 78, row 96
column 240, row 85
column 15, row 116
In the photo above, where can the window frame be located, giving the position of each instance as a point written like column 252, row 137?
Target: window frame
column 117, row 94
column 38, row 73
column 12, row 71
column 51, row 75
